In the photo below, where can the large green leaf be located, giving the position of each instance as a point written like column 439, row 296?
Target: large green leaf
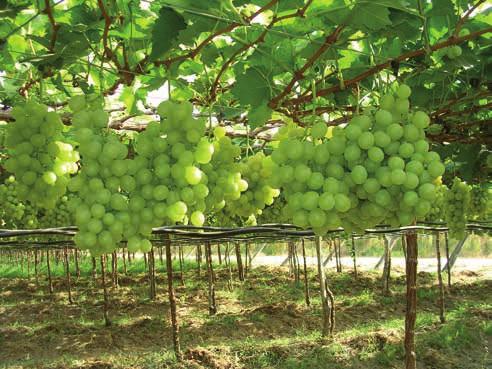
column 165, row 31
column 253, row 87
column 370, row 16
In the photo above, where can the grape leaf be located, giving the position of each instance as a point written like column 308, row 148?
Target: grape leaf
column 252, row 87
column 165, row 31
column 369, row 16
column 257, row 117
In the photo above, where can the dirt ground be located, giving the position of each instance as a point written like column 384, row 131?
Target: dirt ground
column 261, row 323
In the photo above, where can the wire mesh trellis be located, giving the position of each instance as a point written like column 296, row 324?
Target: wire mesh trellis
column 182, row 235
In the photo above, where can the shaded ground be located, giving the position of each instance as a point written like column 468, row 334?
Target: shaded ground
column 261, row 323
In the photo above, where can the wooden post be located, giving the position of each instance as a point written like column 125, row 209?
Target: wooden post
column 306, row 277
column 448, row 266
column 77, row 267
column 229, row 267
column 50, row 283
column 172, row 302
column 411, row 310
column 151, row 275
column 240, row 269
column 404, row 246
column 212, row 305
column 94, row 270
column 67, row 270
column 442, row 318
column 298, row 266
column 339, row 246
column 246, row 264
column 199, row 258
column 387, row 266
column 219, row 254
column 124, row 262
column 107, row 322
column 181, row 266
column 354, row 257
column 28, row 256
column 114, row 259
column 36, row 266
column 324, row 296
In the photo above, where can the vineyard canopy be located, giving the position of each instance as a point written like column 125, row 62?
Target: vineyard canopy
column 259, row 62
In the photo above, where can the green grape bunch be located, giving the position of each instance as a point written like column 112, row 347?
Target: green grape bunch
column 456, row 207
column 436, row 212
column 100, row 201
column 14, row 213
column 225, row 180
column 58, row 216
column 256, row 171
column 377, row 169
column 38, row 155
column 480, row 199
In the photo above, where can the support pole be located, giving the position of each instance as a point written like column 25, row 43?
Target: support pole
column 181, row 264
column 454, row 255
column 411, row 310
column 50, row 282
column 36, row 261
column 442, row 318
column 67, row 271
column 325, row 331
column 151, row 274
column 172, row 302
column 219, row 254
column 306, row 277
column 114, row 263
column 107, row 322
column 240, row 269
column 124, row 262
column 387, row 266
column 354, row 257
column 94, row 272
column 212, row 305
column 448, row 267
column 77, row 266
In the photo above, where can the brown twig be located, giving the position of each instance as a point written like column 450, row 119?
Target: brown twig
column 299, row 13
column 446, row 108
column 55, row 26
column 465, row 17
column 443, row 137
column 193, row 53
column 299, row 74
column 377, row 68
column 471, row 110
column 465, row 125
column 107, row 24
column 260, row 39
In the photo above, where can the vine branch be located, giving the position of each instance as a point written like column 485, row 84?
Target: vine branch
column 465, row 17
column 55, row 26
column 107, row 25
column 194, row 52
column 377, row 68
column 299, row 74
